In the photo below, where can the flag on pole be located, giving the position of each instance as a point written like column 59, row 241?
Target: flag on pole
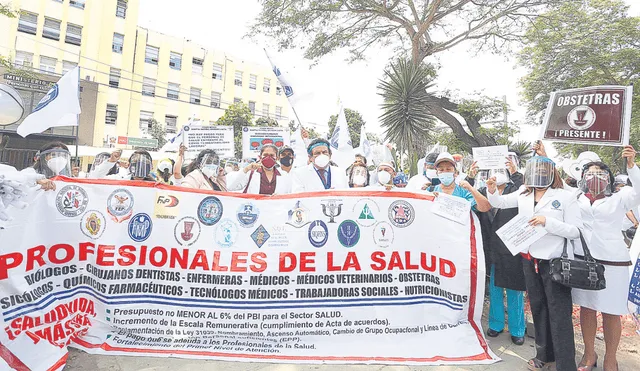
column 284, row 79
column 365, row 146
column 59, row 107
column 340, row 139
column 173, row 144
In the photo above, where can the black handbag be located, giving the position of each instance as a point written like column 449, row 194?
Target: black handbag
column 585, row 274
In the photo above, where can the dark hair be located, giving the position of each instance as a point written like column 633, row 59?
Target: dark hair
column 362, row 157
column 40, row 166
column 195, row 164
column 571, row 182
column 268, row 146
column 316, row 142
column 431, row 157
column 141, row 152
column 556, row 184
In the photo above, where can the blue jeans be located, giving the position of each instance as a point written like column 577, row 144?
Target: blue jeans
column 515, row 308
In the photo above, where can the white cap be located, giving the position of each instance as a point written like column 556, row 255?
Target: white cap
column 386, row 163
column 445, row 156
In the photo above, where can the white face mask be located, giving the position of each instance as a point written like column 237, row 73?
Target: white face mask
column 57, row 164
column 501, row 179
column 359, row 180
column 228, row 169
column 432, row 173
column 210, row 171
column 322, row 161
column 384, row 177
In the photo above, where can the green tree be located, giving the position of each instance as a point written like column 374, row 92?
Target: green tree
column 266, row 121
column 354, row 122
column 237, row 115
column 373, row 138
column 8, row 11
column 158, row 133
column 588, row 43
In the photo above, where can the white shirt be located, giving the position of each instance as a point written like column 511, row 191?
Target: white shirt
column 380, row 187
column 241, row 179
column 306, row 179
column 100, row 172
column 417, row 182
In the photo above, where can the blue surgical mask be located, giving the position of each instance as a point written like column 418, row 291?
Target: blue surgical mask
column 446, row 178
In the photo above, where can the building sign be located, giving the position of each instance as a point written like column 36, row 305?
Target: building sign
column 27, row 83
column 599, row 115
column 254, row 137
column 138, row 142
column 218, row 138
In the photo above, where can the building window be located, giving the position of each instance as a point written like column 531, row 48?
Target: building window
column 48, row 65
column 195, row 96
column 74, row 34
column 175, row 61
column 278, row 113
column 265, row 110
column 278, row 90
column 238, row 79
column 172, row 123
column 197, row 66
column 217, row 72
column 173, row 91
column 24, row 59
column 215, row 99
column 77, row 3
column 121, row 9
column 253, row 81
column 114, row 77
column 112, row 114
column 145, row 120
column 68, row 66
column 252, row 107
column 118, row 43
column 149, row 87
column 237, row 100
column 28, row 23
column 267, row 86
column 51, row 29
column 151, row 54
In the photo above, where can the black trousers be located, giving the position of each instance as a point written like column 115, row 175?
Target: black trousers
column 551, row 306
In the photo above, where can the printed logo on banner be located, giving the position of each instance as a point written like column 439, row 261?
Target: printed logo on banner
column 248, row 214
column 366, row 209
column 140, row 227
column 72, row 201
column 93, row 224
column 318, row 233
column 210, row 210
column 226, row 233
column 187, row 231
column 348, row 233
column 298, row 216
column 332, row 209
column 555, row 204
column 383, row 234
column 260, row 236
column 167, row 206
column 581, row 117
column 401, row 214
column 278, row 236
column 120, row 205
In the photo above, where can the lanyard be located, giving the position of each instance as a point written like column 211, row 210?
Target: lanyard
column 327, row 183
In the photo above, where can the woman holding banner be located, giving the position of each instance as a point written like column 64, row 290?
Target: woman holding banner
column 263, row 177
column 546, row 204
column 205, row 172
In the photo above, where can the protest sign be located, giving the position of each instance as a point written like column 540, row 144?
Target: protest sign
column 254, row 137
column 241, row 277
column 218, row 138
column 599, row 115
column 452, row 207
column 488, row 158
column 517, row 234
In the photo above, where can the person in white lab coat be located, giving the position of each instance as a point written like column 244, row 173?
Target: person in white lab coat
column 384, row 179
column 602, row 212
column 263, row 177
column 543, row 199
column 428, row 179
column 318, row 175
column 111, row 167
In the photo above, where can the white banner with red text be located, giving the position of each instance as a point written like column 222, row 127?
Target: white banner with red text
column 333, row 277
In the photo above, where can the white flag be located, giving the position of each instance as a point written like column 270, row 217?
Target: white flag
column 340, row 139
column 284, row 80
column 365, row 146
column 60, row 107
column 173, row 144
column 299, row 148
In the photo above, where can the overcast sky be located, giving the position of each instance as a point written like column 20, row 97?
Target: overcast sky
column 221, row 25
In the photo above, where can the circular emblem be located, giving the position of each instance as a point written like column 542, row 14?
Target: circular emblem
column 248, row 214
column 210, row 210
column 93, row 224
column 581, row 117
column 72, row 201
column 555, row 204
column 120, row 205
column 226, row 233
column 245, row 129
column 401, row 214
column 318, row 233
column 186, row 128
column 187, row 231
column 367, row 210
column 140, row 227
column 52, row 94
column 348, row 233
column 383, row 234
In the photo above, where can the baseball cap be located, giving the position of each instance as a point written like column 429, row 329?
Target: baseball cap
column 431, row 158
column 286, row 148
column 445, row 157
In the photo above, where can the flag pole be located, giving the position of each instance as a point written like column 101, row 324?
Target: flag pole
column 291, row 104
column 78, row 121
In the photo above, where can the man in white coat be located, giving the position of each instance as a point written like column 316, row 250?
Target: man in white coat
column 384, row 179
column 263, row 177
column 318, row 175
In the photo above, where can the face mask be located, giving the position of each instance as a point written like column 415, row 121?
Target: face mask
column 384, row 177
column 596, row 185
column 501, row 179
column 286, row 161
column 446, row 178
column 210, row 171
column 431, row 173
column 57, row 164
column 359, row 180
column 268, row 162
column 228, row 169
column 322, row 161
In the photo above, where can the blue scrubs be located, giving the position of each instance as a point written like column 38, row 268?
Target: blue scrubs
column 515, row 308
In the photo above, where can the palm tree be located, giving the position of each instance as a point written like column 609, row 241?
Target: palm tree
column 406, row 118
column 523, row 150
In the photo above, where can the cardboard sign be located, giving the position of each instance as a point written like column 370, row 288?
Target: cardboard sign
column 253, row 138
column 488, row 158
column 218, row 138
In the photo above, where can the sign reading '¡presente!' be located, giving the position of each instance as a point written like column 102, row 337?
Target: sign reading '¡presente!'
column 594, row 115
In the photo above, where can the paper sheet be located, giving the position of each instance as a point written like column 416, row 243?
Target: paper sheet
column 518, row 235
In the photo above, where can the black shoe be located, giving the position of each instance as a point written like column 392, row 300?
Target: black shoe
column 493, row 333
column 517, row 340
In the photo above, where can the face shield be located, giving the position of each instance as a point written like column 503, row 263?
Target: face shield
column 140, row 165
column 501, row 175
column 481, row 179
column 56, row 161
column 359, row 176
column 100, row 159
column 514, row 159
column 596, row 182
column 209, row 165
column 539, row 172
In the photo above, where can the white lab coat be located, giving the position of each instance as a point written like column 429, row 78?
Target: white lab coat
column 562, row 214
column 417, row 182
column 306, row 179
column 241, row 179
column 100, row 172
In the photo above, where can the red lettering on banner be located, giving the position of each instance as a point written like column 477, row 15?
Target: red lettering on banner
column 288, row 262
column 180, row 259
column 350, row 262
column 9, row 261
column 163, row 260
column 143, row 255
column 378, row 261
column 238, row 257
column 34, row 254
column 428, row 263
column 216, row 263
column 105, row 251
column 307, row 262
column 53, row 253
column 86, row 248
column 200, row 260
column 444, row 272
column 127, row 257
column 259, row 259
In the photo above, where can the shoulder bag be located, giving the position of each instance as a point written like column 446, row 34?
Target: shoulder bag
column 586, row 274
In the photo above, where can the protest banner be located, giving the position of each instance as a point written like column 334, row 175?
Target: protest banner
column 327, row 277
column 598, row 115
column 254, row 137
column 492, row 157
column 218, row 138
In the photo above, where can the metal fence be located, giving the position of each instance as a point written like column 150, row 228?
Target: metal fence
column 17, row 157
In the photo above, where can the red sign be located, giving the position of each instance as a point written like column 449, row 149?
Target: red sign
column 123, row 140
column 594, row 115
